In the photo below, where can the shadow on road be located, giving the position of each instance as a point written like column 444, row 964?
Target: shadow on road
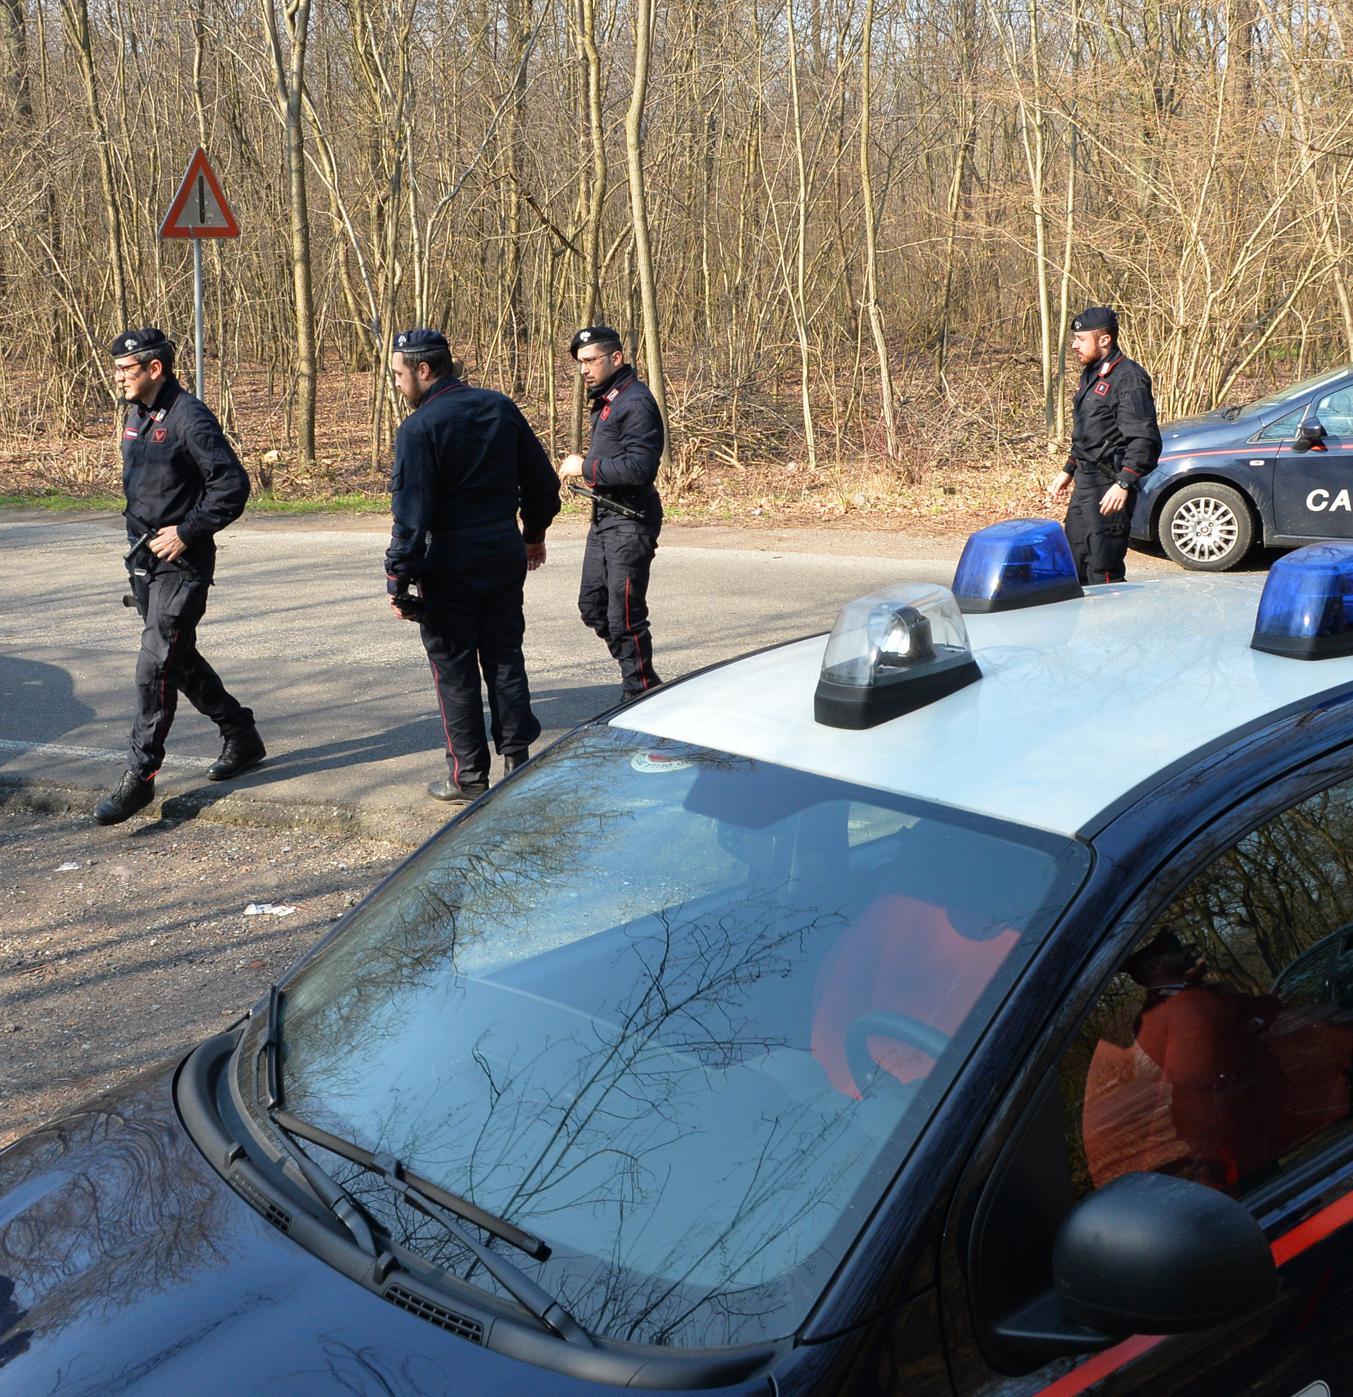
column 40, row 698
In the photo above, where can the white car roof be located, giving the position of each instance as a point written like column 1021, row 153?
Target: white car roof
column 1079, row 703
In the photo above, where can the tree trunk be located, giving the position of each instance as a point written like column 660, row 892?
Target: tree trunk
column 871, row 238
column 289, row 93
column 643, row 251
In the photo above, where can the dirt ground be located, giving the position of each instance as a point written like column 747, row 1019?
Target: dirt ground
column 122, row 947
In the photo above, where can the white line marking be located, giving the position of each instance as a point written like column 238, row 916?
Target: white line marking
column 105, row 754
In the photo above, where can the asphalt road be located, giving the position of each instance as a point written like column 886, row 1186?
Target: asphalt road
column 299, row 629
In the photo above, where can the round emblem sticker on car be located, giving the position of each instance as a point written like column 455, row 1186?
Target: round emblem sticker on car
column 659, row 761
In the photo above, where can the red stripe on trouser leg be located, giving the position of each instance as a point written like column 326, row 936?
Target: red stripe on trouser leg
column 446, row 727
column 162, row 727
column 634, row 639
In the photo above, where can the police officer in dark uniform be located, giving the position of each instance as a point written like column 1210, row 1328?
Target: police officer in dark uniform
column 621, row 466
column 1115, row 443
column 466, row 462
column 184, row 483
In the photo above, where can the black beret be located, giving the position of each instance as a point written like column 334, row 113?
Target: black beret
column 421, row 342
column 148, row 337
column 592, row 334
column 1097, row 318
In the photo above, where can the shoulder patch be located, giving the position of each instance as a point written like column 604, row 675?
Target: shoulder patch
column 1102, row 388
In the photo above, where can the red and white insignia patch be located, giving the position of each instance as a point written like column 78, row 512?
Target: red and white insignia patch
column 129, row 433
column 159, row 434
column 1102, row 389
column 606, row 412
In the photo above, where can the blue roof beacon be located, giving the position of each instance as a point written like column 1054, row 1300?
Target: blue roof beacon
column 1021, row 562
column 1306, row 611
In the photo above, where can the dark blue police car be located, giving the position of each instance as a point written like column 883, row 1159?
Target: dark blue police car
column 959, row 1008
column 1279, row 471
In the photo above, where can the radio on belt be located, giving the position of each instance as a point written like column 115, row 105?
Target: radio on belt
column 1306, row 611
column 1021, row 562
column 891, row 652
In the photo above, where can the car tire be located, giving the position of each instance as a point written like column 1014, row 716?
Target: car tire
column 1207, row 527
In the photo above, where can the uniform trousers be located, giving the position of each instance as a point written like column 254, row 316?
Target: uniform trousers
column 171, row 602
column 1099, row 542
column 474, row 625
column 613, row 598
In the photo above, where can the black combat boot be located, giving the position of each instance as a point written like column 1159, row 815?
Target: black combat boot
column 243, row 750
column 450, row 791
column 512, row 760
column 133, row 793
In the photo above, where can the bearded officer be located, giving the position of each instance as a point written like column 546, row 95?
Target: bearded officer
column 184, row 484
column 621, row 465
column 466, row 463
column 1115, row 444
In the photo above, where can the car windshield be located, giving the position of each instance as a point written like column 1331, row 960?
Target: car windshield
column 1285, row 397
column 680, row 1014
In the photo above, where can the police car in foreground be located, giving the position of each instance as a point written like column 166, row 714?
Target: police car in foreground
column 965, row 1006
column 1279, row 471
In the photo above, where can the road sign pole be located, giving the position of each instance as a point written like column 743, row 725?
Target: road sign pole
column 197, row 316
column 199, row 210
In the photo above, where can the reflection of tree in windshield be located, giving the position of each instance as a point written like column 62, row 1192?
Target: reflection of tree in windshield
column 589, row 1009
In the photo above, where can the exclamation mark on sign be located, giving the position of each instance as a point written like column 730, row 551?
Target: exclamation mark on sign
column 201, row 201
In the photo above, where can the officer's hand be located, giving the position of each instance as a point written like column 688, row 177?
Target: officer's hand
column 167, row 545
column 572, row 465
column 535, row 555
column 1059, row 487
column 1115, row 497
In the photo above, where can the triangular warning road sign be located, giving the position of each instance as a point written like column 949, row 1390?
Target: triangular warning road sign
column 199, row 209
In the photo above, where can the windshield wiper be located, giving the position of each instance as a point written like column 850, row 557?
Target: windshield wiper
column 495, row 1226
column 270, row 1045
column 448, row 1209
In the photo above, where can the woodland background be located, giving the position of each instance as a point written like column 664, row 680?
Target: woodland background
column 844, row 236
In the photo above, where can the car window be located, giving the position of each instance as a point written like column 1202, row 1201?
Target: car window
column 679, row 1013
column 1222, row 1049
column 1334, row 412
column 1293, row 391
column 1283, row 428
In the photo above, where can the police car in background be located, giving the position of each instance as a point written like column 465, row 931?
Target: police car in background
column 960, row 1007
column 1279, row 470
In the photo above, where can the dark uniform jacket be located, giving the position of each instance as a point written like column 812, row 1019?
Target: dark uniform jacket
column 178, row 468
column 466, row 461
column 626, row 448
column 1114, row 436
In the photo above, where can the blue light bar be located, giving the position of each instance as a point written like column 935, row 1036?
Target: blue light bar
column 1022, row 562
column 1306, row 612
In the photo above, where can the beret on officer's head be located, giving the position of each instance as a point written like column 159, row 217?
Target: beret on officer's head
column 592, row 334
column 421, row 342
column 148, row 338
column 1097, row 318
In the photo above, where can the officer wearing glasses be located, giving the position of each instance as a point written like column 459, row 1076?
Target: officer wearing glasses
column 621, row 466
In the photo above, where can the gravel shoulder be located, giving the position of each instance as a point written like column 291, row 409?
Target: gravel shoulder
column 122, row 947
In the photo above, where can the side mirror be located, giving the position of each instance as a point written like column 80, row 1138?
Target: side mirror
column 1309, row 434
column 1149, row 1254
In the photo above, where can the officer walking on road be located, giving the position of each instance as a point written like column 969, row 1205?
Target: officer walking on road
column 1115, row 442
column 184, row 483
column 466, row 462
column 621, row 466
